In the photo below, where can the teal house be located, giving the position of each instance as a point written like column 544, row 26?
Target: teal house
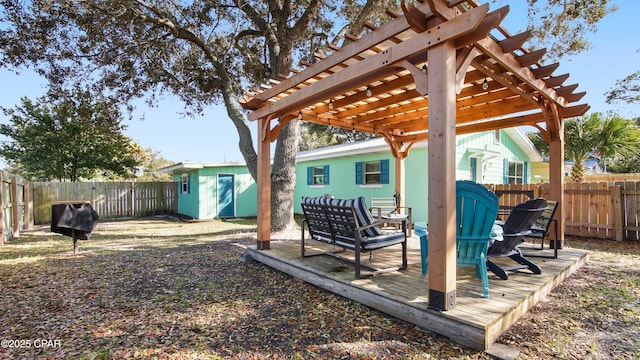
column 365, row 168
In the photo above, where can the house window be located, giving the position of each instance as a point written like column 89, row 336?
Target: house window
column 515, row 174
column 496, row 136
column 372, row 172
column 318, row 175
column 184, row 183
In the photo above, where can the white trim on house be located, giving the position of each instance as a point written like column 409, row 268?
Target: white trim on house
column 194, row 166
column 355, row 148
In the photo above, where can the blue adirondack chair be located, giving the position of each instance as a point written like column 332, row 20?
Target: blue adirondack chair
column 476, row 211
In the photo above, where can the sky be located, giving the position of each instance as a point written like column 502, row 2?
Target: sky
column 213, row 138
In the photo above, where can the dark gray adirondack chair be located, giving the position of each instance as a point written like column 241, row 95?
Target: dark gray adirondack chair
column 515, row 228
column 540, row 230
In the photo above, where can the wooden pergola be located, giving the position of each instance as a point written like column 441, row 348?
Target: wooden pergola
column 441, row 69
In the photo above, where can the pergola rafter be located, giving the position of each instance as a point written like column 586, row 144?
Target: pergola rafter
column 443, row 68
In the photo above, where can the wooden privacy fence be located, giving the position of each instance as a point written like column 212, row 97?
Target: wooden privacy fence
column 606, row 210
column 109, row 199
column 14, row 199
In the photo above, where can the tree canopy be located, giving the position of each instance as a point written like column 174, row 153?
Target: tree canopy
column 562, row 26
column 152, row 162
column 314, row 136
column 626, row 90
column 203, row 52
column 74, row 136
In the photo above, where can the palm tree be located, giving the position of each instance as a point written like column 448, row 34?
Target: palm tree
column 595, row 137
column 619, row 139
column 578, row 136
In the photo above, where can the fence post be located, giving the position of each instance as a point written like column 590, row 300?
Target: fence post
column 2, row 200
column 15, row 208
column 28, row 205
column 132, row 198
column 616, row 198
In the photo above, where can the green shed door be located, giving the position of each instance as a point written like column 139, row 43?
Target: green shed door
column 226, row 195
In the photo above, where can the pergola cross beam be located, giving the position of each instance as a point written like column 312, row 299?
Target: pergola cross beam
column 374, row 66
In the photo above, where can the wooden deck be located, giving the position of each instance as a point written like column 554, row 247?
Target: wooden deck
column 475, row 322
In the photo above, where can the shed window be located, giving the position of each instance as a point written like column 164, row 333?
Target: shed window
column 184, row 183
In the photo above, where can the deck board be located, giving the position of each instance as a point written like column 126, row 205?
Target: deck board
column 475, row 322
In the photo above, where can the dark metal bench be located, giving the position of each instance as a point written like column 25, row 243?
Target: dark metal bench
column 339, row 226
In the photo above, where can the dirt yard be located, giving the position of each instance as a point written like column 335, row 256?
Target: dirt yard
column 164, row 289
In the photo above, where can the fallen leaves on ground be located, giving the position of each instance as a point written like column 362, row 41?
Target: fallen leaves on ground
column 160, row 289
column 594, row 314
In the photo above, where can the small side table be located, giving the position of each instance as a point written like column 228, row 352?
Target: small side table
column 396, row 218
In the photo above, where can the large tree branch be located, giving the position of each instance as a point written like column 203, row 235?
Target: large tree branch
column 368, row 11
column 245, row 142
column 178, row 32
column 305, row 19
column 224, row 82
column 252, row 14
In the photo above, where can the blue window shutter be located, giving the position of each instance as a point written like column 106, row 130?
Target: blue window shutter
column 505, row 171
column 189, row 183
column 179, row 183
column 525, row 173
column 384, row 171
column 326, row 174
column 309, row 175
column 473, row 163
column 359, row 172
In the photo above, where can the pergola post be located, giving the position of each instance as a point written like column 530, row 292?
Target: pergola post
column 556, row 182
column 264, row 184
column 400, row 179
column 442, row 176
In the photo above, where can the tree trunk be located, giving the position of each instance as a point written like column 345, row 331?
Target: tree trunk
column 283, row 173
column 577, row 171
column 245, row 140
column 283, row 177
